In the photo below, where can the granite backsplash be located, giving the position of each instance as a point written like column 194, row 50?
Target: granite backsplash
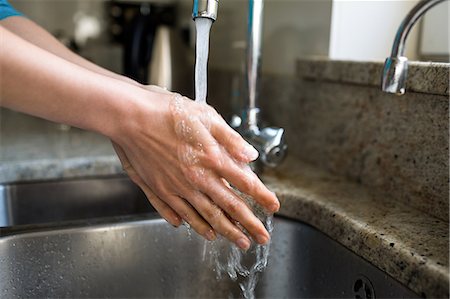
column 337, row 118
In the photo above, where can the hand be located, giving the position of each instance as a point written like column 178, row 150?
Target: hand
column 183, row 154
column 160, row 206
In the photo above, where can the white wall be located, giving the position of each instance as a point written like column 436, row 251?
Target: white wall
column 365, row 29
column 435, row 31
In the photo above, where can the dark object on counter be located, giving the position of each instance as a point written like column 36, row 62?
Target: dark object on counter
column 135, row 25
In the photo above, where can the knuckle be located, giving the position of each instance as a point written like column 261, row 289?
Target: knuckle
column 233, row 206
column 248, row 183
column 214, row 157
column 194, row 175
column 214, row 215
column 161, row 189
column 209, row 215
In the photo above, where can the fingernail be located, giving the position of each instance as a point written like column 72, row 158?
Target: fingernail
column 210, row 235
column 274, row 207
column 243, row 243
column 177, row 221
column 262, row 239
column 250, row 152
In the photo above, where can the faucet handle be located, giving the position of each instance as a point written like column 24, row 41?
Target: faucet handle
column 269, row 142
column 394, row 75
column 274, row 148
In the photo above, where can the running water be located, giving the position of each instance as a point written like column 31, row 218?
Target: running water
column 202, row 26
column 243, row 267
column 240, row 266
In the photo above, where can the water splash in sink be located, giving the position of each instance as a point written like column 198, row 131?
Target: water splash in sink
column 242, row 267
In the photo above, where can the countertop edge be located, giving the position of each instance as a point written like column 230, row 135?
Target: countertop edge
column 423, row 77
column 403, row 262
column 52, row 169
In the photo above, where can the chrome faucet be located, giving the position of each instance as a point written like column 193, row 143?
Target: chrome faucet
column 396, row 66
column 269, row 141
column 205, row 9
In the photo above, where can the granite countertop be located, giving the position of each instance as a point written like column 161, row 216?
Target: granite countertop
column 34, row 149
column 409, row 245
column 423, row 77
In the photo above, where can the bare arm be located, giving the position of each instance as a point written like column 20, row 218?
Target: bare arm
column 40, row 83
column 178, row 151
column 36, row 35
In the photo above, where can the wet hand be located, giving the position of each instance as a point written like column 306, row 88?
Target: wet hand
column 184, row 156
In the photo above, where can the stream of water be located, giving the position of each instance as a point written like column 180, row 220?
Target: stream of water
column 240, row 266
column 203, row 27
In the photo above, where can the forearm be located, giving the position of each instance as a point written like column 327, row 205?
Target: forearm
column 36, row 35
column 40, row 83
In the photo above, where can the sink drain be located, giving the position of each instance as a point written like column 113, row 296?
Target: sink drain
column 363, row 288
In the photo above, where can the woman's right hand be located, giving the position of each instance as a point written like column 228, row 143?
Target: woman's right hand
column 184, row 156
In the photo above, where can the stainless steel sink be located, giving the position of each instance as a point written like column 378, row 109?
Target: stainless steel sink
column 66, row 200
column 143, row 256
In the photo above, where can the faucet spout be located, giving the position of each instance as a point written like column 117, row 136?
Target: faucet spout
column 254, row 36
column 396, row 66
column 205, row 9
column 269, row 141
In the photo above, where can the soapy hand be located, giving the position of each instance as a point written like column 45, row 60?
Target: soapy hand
column 184, row 157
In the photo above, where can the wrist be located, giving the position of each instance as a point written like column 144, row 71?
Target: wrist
column 134, row 110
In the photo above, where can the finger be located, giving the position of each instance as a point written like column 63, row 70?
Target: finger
column 240, row 175
column 234, row 206
column 161, row 207
column 232, row 141
column 190, row 215
column 245, row 180
column 219, row 221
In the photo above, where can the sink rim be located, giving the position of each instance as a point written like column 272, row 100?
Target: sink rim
column 11, row 231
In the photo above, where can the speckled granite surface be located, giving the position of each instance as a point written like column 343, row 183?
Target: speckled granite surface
column 396, row 144
column 407, row 244
column 34, row 149
column 423, row 77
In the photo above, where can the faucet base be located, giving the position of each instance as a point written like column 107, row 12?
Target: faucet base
column 269, row 141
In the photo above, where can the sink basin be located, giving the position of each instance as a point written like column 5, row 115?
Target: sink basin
column 66, row 200
column 149, row 258
column 143, row 256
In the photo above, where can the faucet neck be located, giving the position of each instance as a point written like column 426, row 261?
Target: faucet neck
column 413, row 16
column 254, row 35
